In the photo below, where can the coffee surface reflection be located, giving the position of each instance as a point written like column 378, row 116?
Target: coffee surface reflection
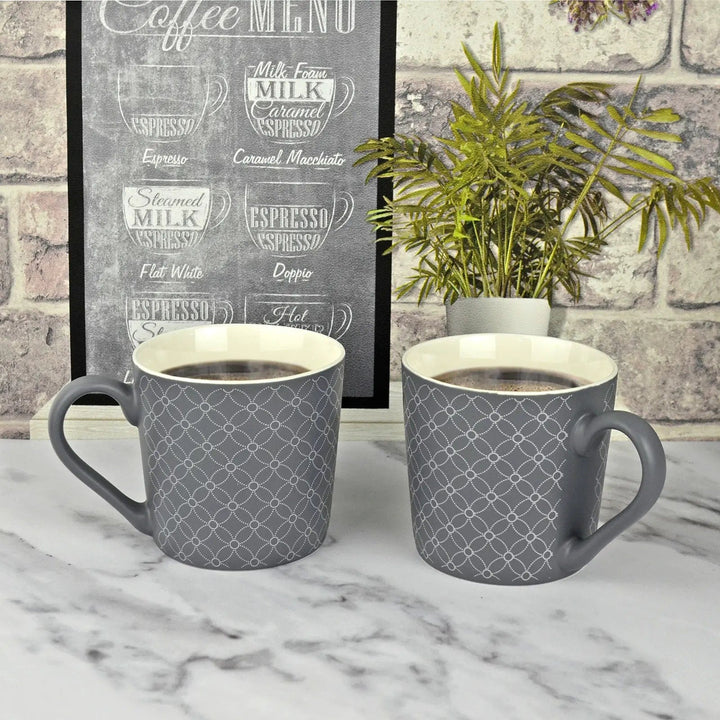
column 233, row 370
column 502, row 379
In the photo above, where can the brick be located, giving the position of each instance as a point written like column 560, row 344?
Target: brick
column 32, row 29
column 700, row 31
column 33, row 130
column 620, row 276
column 46, row 270
column 699, row 153
column 44, row 239
column 411, row 324
column 44, row 215
column 693, row 276
column 423, row 107
column 669, row 370
column 34, row 360
column 14, row 429
column 5, row 269
column 535, row 37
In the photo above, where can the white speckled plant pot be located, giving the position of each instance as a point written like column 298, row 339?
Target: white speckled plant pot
column 525, row 316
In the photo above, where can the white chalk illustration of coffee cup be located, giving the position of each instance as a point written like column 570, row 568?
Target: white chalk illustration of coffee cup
column 292, row 219
column 169, row 216
column 166, row 103
column 153, row 313
column 293, row 103
column 306, row 311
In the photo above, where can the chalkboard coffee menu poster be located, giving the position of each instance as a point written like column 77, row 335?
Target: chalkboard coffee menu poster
column 211, row 174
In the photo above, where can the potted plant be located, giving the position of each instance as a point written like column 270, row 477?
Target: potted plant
column 505, row 208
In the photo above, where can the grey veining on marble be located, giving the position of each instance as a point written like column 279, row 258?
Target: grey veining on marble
column 96, row 622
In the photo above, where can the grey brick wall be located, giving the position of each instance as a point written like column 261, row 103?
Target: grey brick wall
column 659, row 318
column 34, row 337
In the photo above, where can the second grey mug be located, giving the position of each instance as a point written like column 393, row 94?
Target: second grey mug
column 506, row 484
column 238, row 473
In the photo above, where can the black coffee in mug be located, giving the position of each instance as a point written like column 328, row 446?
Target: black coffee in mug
column 502, row 379
column 232, row 370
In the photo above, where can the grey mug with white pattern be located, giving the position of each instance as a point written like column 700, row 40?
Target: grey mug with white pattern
column 506, row 484
column 238, row 473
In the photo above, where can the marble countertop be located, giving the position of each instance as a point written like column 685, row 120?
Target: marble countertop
column 96, row 622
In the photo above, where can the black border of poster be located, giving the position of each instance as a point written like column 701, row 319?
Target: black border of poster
column 76, row 206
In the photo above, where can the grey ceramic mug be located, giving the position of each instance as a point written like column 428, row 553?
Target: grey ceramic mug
column 505, row 486
column 238, row 474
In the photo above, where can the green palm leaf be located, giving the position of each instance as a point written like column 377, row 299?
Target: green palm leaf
column 512, row 200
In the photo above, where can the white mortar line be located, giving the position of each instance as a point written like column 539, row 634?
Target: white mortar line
column 11, row 64
column 653, row 77
column 666, row 314
column 676, row 21
column 662, row 280
column 661, row 312
column 17, row 288
column 39, row 186
column 59, row 308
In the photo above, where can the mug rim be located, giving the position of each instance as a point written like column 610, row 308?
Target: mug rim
column 610, row 374
column 334, row 348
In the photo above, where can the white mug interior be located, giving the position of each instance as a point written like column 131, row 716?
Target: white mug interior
column 220, row 343
column 586, row 365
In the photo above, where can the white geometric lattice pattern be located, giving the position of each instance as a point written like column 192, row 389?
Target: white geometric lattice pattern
column 242, row 476
column 488, row 478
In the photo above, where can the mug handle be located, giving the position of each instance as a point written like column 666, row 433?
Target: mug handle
column 349, row 86
column 135, row 512
column 347, row 200
column 224, row 210
column 227, row 308
column 576, row 552
column 346, row 311
column 220, row 83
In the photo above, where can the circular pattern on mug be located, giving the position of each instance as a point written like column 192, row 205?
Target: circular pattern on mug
column 220, row 453
column 512, row 465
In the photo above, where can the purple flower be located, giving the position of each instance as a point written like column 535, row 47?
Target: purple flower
column 588, row 13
